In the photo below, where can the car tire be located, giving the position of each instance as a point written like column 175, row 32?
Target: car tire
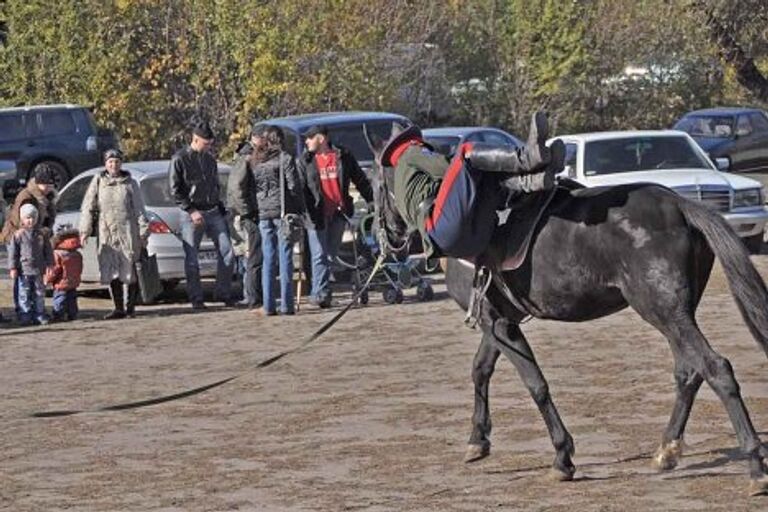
column 754, row 243
column 62, row 175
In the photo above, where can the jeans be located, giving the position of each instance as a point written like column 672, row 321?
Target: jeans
column 31, row 303
column 276, row 250
column 323, row 247
column 252, row 265
column 65, row 304
column 215, row 226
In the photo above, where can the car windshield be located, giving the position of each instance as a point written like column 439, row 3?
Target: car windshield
column 445, row 144
column 633, row 154
column 718, row 127
column 157, row 193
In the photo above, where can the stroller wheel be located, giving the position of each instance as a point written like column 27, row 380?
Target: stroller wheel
column 425, row 292
column 363, row 298
column 392, row 296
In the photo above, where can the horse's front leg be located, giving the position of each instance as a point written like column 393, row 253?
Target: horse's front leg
column 482, row 370
column 509, row 338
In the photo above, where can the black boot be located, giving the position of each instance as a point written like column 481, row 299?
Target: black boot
column 116, row 291
column 533, row 157
column 131, row 297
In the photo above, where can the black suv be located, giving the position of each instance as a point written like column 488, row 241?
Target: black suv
column 64, row 136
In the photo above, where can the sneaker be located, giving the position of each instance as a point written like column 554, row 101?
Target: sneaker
column 199, row 305
column 43, row 321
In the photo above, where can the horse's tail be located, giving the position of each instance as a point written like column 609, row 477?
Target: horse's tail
column 746, row 284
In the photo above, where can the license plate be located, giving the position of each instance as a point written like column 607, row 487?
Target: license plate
column 206, row 256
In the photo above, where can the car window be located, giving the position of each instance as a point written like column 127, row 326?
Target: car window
column 57, row 123
column 156, row 190
column 474, row 137
column 291, row 144
column 497, row 138
column 707, row 126
column 571, row 151
column 444, row 145
column 743, row 126
column 352, row 137
column 71, row 198
column 640, row 154
column 759, row 122
column 11, row 127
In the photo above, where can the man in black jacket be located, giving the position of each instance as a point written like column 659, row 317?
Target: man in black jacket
column 327, row 170
column 242, row 203
column 194, row 183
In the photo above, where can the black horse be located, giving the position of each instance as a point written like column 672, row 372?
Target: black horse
column 595, row 252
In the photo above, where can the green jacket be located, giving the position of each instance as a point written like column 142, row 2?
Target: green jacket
column 418, row 175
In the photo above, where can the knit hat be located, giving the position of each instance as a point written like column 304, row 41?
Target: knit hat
column 28, row 210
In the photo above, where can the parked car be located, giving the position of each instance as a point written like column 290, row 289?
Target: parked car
column 739, row 134
column 163, row 215
column 63, row 136
column 447, row 140
column 345, row 129
column 673, row 159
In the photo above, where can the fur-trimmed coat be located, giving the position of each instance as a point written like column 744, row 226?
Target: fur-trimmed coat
column 122, row 225
column 46, row 210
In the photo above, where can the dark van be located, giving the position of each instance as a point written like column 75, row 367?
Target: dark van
column 64, row 136
column 344, row 129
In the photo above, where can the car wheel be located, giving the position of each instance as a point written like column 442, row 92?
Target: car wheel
column 62, row 175
column 754, row 243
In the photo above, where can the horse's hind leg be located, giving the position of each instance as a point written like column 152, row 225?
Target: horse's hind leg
column 509, row 338
column 688, row 383
column 482, row 369
column 692, row 350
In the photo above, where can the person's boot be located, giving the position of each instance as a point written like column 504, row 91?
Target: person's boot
column 131, row 292
column 535, row 156
column 116, row 292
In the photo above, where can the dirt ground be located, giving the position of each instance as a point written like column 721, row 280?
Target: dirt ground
column 373, row 417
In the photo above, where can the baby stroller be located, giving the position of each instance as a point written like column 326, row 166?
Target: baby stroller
column 394, row 276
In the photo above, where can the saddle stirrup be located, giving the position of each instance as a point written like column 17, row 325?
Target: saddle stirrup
column 480, row 284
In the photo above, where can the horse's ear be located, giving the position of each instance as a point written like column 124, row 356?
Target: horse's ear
column 375, row 142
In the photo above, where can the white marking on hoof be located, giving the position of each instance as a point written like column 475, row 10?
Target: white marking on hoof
column 759, row 486
column 477, row 452
column 668, row 456
column 556, row 475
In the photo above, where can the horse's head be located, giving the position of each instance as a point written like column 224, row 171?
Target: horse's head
column 392, row 231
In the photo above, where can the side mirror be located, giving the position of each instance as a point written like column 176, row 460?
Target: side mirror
column 723, row 164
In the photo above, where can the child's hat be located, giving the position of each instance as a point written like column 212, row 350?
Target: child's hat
column 28, row 210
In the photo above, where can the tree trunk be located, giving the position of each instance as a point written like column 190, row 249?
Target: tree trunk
column 747, row 73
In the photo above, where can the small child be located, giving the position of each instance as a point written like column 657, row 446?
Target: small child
column 29, row 256
column 65, row 274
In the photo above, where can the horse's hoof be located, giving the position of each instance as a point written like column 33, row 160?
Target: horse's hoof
column 477, row 452
column 667, row 457
column 558, row 475
column 758, row 486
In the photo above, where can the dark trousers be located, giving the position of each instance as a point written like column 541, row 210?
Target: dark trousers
column 65, row 304
column 463, row 216
column 252, row 289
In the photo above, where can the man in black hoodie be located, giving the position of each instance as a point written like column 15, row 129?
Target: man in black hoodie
column 328, row 170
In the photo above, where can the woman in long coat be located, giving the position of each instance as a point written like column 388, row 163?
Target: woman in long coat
column 114, row 198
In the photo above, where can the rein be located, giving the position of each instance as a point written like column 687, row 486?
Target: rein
column 196, row 391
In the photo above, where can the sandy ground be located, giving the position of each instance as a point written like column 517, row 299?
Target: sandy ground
column 373, row 417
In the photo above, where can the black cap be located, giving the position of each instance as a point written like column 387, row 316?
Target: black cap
column 317, row 129
column 113, row 153
column 202, row 129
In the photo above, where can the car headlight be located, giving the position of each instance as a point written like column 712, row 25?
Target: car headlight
column 749, row 197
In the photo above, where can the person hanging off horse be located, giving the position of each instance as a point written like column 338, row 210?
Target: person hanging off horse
column 453, row 203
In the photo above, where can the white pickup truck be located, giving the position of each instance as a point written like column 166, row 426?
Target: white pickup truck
column 673, row 159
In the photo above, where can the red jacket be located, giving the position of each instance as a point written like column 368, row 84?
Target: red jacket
column 67, row 263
